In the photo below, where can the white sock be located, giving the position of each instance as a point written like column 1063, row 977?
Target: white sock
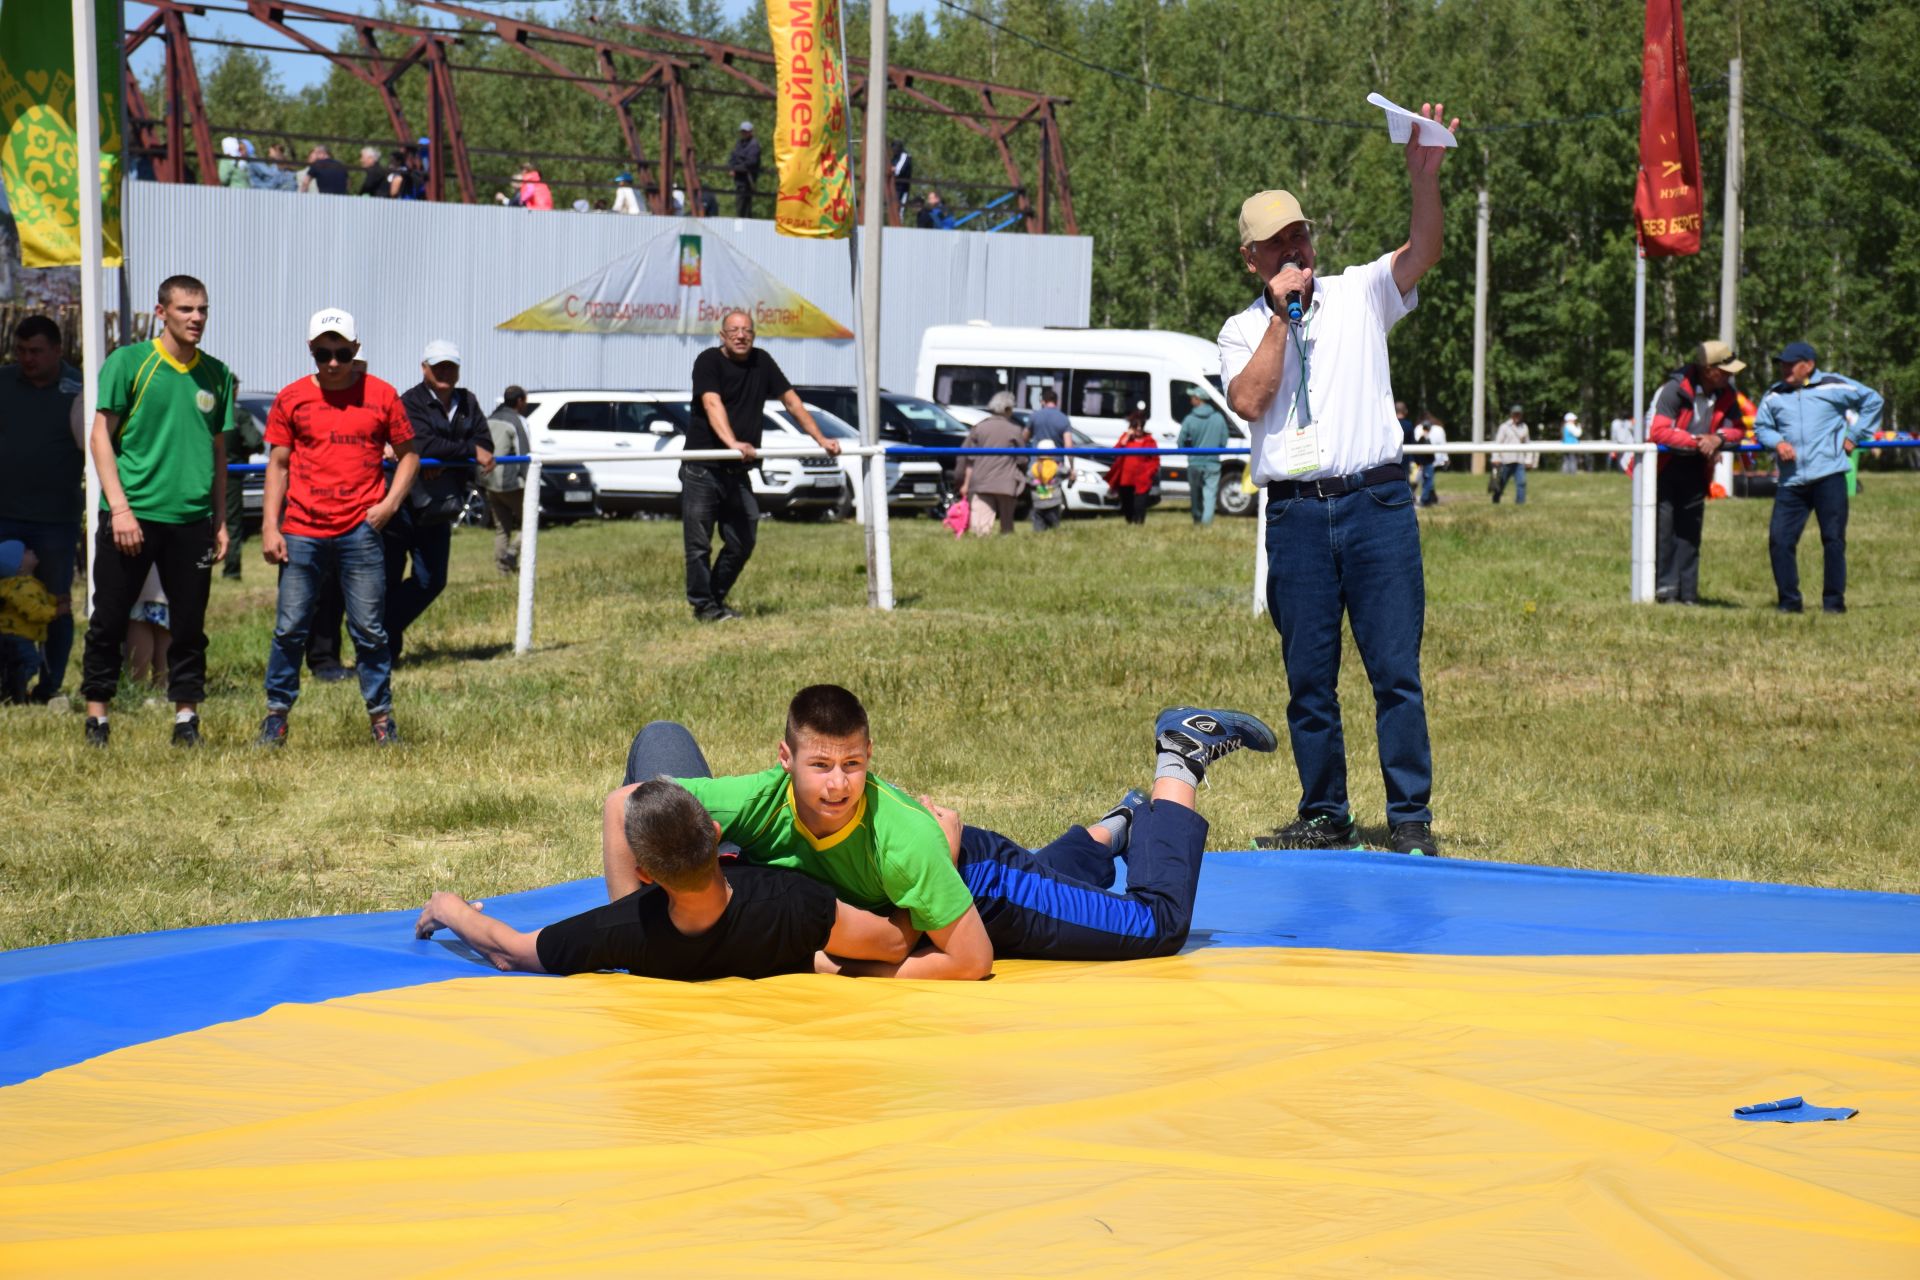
column 181, row 717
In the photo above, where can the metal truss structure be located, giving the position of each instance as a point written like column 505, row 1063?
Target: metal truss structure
column 624, row 73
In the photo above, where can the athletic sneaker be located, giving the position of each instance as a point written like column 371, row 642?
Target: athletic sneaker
column 186, row 733
column 1414, row 837
column 1200, row 736
column 273, row 730
column 1316, row 832
column 97, row 731
column 386, row 733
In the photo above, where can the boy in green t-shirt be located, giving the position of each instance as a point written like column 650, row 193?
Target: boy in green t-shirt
column 158, row 445
column 822, row 813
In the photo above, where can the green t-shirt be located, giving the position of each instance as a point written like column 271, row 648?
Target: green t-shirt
column 892, row 854
column 169, row 413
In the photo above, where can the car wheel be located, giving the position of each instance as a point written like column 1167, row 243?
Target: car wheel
column 1234, row 500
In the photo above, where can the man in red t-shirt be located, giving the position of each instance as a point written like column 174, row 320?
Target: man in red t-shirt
column 326, row 503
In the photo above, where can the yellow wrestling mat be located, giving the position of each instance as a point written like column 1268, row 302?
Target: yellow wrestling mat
column 1221, row 1113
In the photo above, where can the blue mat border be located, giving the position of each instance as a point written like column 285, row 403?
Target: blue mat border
column 65, row 1003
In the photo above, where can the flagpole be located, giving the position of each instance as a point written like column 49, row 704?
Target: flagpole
column 874, row 209
column 86, row 121
column 1645, row 465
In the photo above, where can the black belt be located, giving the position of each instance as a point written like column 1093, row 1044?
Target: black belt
column 1334, row 486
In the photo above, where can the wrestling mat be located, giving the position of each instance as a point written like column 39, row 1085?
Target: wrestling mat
column 1363, row 1065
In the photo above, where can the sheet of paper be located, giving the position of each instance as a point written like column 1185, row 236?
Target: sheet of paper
column 1401, row 122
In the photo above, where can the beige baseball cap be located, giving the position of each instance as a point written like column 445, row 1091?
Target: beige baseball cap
column 1267, row 214
column 1717, row 355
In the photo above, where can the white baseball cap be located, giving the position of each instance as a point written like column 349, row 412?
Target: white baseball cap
column 746, row 126
column 440, row 351
column 1572, row 417
column 331, row 320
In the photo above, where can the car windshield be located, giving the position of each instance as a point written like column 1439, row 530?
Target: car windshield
column 925, row 414
column 832, row 425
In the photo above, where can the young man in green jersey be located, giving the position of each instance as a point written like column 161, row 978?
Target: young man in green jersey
column 974, row 893
column 158, row 444
column 819, row 811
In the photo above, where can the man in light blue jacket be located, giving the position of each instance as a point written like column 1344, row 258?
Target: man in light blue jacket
column 1803, row 419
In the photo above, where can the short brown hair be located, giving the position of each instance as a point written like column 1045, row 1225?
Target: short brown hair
column 826, row 711
column 671, row 835
column 180, row 284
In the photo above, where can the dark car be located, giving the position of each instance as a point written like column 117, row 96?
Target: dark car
column 904, row 419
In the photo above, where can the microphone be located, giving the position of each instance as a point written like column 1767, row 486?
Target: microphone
column 1294, row 310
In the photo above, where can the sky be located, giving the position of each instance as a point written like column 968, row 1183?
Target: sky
column 298, row 70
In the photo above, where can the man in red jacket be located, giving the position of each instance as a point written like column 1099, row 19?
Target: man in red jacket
column 1694, row 414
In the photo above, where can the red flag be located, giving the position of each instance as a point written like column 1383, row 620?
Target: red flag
column 1667, row 200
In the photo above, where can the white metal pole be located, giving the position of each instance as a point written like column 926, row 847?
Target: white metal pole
column 1644, row 464
column 1260, row 552
column 1730, row 215
column 86, row 122
column 880, row 529
column 529, row 558
column 1480, row 334
column 879, row 578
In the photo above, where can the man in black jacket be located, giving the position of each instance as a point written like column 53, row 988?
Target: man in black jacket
column 744, row 163
column 450, row 428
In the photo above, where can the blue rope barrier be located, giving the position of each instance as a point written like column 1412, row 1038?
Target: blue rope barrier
column 1077, row 451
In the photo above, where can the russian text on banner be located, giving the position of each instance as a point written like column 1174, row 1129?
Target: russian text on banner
column 810, row 121
column 1667, row 201
column 40, row 156
column 681, row 281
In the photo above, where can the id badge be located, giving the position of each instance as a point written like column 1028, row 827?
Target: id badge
column 1301, row 451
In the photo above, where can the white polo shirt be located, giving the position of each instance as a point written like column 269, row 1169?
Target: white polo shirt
column 1349, row 387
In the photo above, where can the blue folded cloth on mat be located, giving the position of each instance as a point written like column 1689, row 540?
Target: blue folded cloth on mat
column 1792, row 1111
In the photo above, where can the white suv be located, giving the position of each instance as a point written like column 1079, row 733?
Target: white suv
column 652, row 427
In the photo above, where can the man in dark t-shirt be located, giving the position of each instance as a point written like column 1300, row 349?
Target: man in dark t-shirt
column 691, row 920
column 731, row 386
column 324, row 174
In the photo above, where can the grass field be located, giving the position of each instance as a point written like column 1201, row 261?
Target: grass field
column 1016, row 681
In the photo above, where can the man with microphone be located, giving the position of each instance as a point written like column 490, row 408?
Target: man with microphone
column 1306, row 365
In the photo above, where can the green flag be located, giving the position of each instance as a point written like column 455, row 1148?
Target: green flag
column 40, row 158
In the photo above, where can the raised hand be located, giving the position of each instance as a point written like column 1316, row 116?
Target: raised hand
column 1424, row 161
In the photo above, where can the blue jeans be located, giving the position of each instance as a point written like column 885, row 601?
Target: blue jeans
column 57, row 543
column 1357, row 554
column 1826, row 500
column 1427, row 496
column 1203, row 492
column 427, row 548
column 1518, row 474
column 357, row 558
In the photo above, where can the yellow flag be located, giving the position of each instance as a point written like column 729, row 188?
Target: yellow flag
column 39, row 157
column 810, row 121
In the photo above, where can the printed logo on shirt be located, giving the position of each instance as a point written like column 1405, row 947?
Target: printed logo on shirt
column 203, row 400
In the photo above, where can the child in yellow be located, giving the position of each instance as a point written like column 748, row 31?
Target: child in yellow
column 26, row 607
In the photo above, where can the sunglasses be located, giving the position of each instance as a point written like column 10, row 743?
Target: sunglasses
column 324, row 356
